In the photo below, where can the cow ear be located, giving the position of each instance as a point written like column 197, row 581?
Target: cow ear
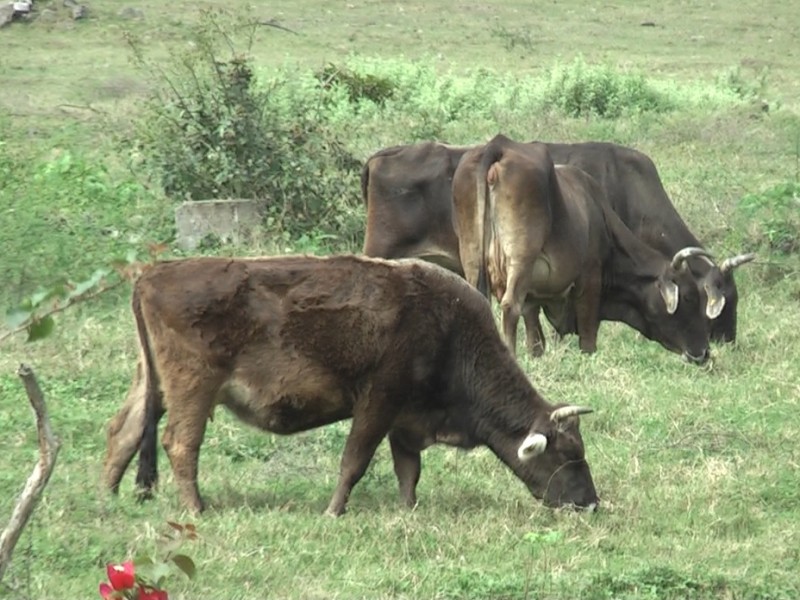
column 669, row 292
column 715, row 302
column 531, row 446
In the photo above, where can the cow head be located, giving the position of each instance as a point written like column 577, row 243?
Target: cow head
column 716, row 282
column 552, row 461
column 673, row 314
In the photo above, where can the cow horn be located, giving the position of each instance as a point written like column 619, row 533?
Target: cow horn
column 533, row 445
column 565, row 412
column 729, row 264
column 682, row 255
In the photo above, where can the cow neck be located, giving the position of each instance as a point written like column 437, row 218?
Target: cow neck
column 631, row 261
column 502, row 399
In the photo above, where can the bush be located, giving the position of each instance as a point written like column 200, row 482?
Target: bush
column 359, row 86
column 213, row 130
column 579, row 89
column 743, row 86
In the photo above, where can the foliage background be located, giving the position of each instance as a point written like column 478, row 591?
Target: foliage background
column 697, row 468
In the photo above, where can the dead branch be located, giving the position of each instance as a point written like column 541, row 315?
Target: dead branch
column 48, row 451
column 274, row 23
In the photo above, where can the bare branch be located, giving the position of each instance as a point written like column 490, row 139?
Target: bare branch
column 48, row 451
column 274, row 23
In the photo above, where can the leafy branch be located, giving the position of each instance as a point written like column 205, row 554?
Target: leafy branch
column 35, row 313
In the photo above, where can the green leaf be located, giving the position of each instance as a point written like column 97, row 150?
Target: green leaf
column 41, row 329
column 185, row 564
column 142, row 560
column 159, row 572
column 17, row 316
column 87, row 285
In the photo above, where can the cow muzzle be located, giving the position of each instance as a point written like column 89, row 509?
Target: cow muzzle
column 698, row 360
column 590, row 508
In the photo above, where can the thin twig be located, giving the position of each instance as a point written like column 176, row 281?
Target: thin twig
column 276, row 25
column 86, row 107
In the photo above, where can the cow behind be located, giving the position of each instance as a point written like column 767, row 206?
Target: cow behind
column 525, row 241
column 403, row 348
column 398, row 185
column 557, row 244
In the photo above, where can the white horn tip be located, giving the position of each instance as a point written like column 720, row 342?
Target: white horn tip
column 571, row 410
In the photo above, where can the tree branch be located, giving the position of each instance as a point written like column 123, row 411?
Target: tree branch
column 48, row 451
column 62, row 307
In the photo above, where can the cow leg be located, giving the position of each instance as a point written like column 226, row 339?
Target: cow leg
column 511, row 306
column 190, row 401
column 587, row 312
column 407, row 467
column 372, row 419
column 534, row 337
column 125, row 432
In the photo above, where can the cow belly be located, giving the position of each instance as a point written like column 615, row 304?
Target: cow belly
column 289, row 409
column 548, row 280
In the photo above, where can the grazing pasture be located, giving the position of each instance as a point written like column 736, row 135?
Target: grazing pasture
column 697, row 468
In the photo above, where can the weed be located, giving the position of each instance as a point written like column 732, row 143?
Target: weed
column 519, row 37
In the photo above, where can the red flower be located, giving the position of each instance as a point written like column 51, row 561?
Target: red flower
column 121, row 576
column 106, row 591
column 149, row 593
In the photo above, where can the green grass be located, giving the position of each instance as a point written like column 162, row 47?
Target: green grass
column 697, row 468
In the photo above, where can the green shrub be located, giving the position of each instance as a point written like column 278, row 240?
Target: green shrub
column 744, row 87
column 359, row 86
column 580, row 89
column 213, row 130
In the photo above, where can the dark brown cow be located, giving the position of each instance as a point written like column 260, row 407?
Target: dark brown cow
column 634, row 189
column 628, row 178
column 288, row 344
column 407, row 193
column 547, row 237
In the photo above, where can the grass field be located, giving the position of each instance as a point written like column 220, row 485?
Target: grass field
column 697, row 468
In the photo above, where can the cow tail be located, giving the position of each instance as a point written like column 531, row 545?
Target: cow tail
column 365, row 183
column 147, row 475
column 484, row 215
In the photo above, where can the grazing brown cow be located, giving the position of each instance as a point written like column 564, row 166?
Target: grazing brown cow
column 288, row 344
column 545, row 236
column 419, row 176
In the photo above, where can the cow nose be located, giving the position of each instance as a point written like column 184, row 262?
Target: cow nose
column 698, row 360
column 590, row 508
